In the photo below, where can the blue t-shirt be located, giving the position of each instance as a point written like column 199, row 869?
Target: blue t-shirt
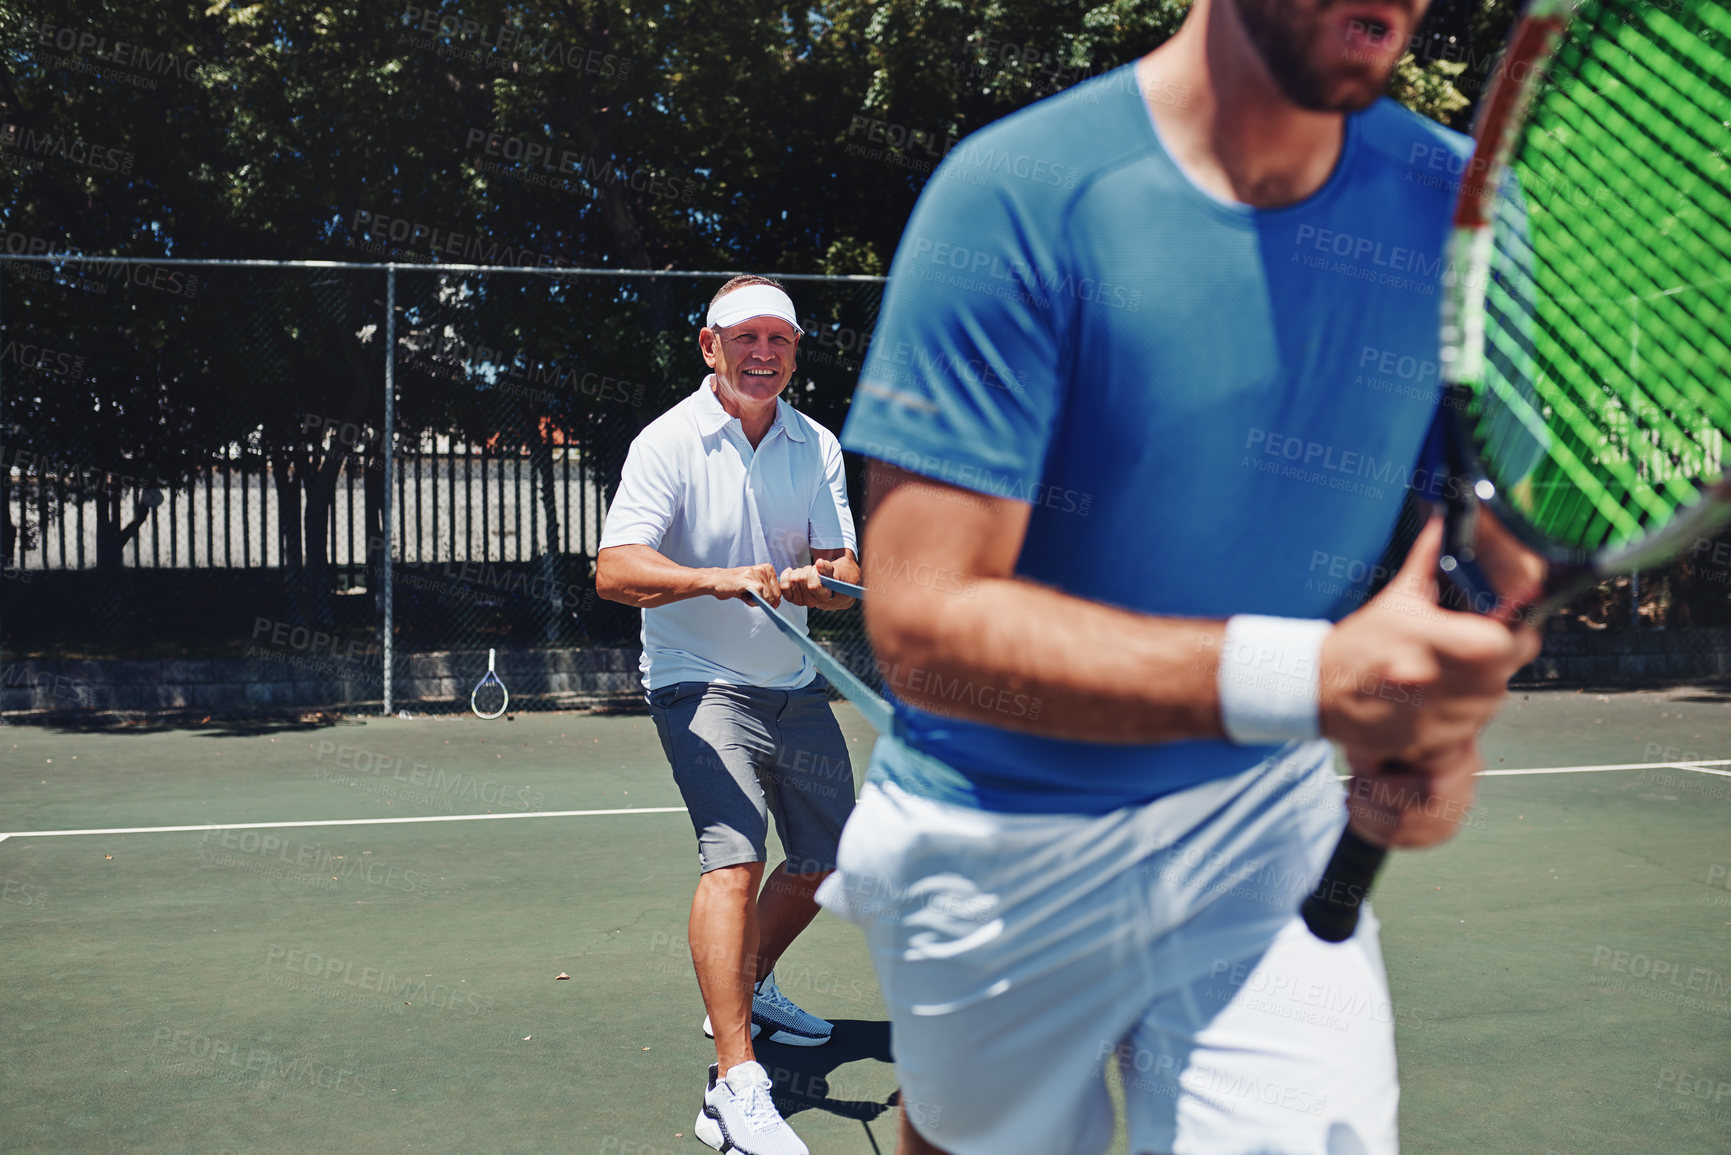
column 1212, row 409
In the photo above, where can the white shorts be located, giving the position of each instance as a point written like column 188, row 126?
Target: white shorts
column 1019, row 953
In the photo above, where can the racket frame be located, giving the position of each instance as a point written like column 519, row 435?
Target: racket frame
column 1569, row 570
column 1520, row 71
column 490, row 675
column 1332, row 910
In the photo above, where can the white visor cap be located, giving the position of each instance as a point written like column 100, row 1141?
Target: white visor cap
column 752, row 301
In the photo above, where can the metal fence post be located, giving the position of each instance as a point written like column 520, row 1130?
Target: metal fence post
column 390, row 445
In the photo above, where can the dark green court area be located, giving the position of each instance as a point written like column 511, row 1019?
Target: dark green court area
column 1561, row 971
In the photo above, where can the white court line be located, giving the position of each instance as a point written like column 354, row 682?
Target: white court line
column 1699, row 767
column 340, row 822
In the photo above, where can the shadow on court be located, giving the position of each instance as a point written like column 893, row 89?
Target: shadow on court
column 801, row 1074
column 190, row 724
column 1710, row 696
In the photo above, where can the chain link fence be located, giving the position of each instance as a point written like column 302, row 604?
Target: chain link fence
column 161, row 496
column 204, row 462
column 517, row 399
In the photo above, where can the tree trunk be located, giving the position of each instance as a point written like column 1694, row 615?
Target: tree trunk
column 541, row 461
column 284, row 471
column 288, row 512
column 108, row 530
column 363, row 407
column 321, row 489
column 9, row 534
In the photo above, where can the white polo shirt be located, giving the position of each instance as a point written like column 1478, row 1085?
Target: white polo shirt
column 695, row 490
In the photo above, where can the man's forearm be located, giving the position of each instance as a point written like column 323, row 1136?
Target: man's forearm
column 1026, row 657
column 645, row 578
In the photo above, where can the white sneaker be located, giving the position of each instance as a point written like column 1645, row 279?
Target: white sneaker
column 739, row 1115
column 788, row 1023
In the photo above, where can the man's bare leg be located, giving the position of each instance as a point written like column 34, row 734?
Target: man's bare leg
column 785, row 908
column 737, row 935
column 723, row 934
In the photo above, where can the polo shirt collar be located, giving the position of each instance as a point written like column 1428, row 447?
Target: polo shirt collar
column 711, row 416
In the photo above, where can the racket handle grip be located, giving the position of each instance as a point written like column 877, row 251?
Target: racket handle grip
column 1331, row 911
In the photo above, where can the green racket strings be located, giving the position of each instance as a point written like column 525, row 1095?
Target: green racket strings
column 1607, row 401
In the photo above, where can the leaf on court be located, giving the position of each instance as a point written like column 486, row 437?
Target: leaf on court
column 526, row 1038
column 560, row 975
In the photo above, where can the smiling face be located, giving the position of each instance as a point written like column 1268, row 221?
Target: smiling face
column 753, row 360
column 1331, row 55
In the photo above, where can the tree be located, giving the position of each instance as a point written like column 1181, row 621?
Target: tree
column 574, row 133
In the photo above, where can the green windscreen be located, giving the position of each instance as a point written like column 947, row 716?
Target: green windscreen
column 1607, row 399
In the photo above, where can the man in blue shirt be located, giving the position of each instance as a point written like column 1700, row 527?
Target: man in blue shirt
column 1156, row 368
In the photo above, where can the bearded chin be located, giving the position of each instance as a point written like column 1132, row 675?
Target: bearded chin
column 1281, row 41
column 1316, row 92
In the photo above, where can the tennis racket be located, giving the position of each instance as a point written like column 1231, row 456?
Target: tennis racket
column 489, row 697
column 1586, row 316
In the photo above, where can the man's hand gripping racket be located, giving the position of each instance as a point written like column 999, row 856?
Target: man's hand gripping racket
column 1407, row 684
column 1584, row 347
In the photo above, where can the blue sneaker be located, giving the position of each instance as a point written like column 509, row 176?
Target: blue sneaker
column 788, row 1023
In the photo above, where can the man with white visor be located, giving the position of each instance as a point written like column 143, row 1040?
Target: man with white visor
column 733, row 492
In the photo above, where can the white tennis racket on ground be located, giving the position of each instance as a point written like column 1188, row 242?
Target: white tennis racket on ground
column 489, row 697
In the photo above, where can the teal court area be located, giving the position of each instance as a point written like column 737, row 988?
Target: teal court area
column 347, row 935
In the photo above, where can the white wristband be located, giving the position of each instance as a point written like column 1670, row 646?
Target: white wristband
column 1269, row 678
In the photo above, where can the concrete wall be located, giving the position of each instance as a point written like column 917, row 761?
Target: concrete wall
column 1631, row 658
column 568, row 678
column 424, row 682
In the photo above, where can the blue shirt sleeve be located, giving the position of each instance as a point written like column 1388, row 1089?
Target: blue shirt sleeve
column 964, row 378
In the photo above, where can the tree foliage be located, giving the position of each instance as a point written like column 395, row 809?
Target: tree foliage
column 586, row 132
column 575, row 133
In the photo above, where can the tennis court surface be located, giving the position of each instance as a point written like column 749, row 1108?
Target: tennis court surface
column 346, row 936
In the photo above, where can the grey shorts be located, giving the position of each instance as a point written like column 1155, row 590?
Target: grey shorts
column 741, row 753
